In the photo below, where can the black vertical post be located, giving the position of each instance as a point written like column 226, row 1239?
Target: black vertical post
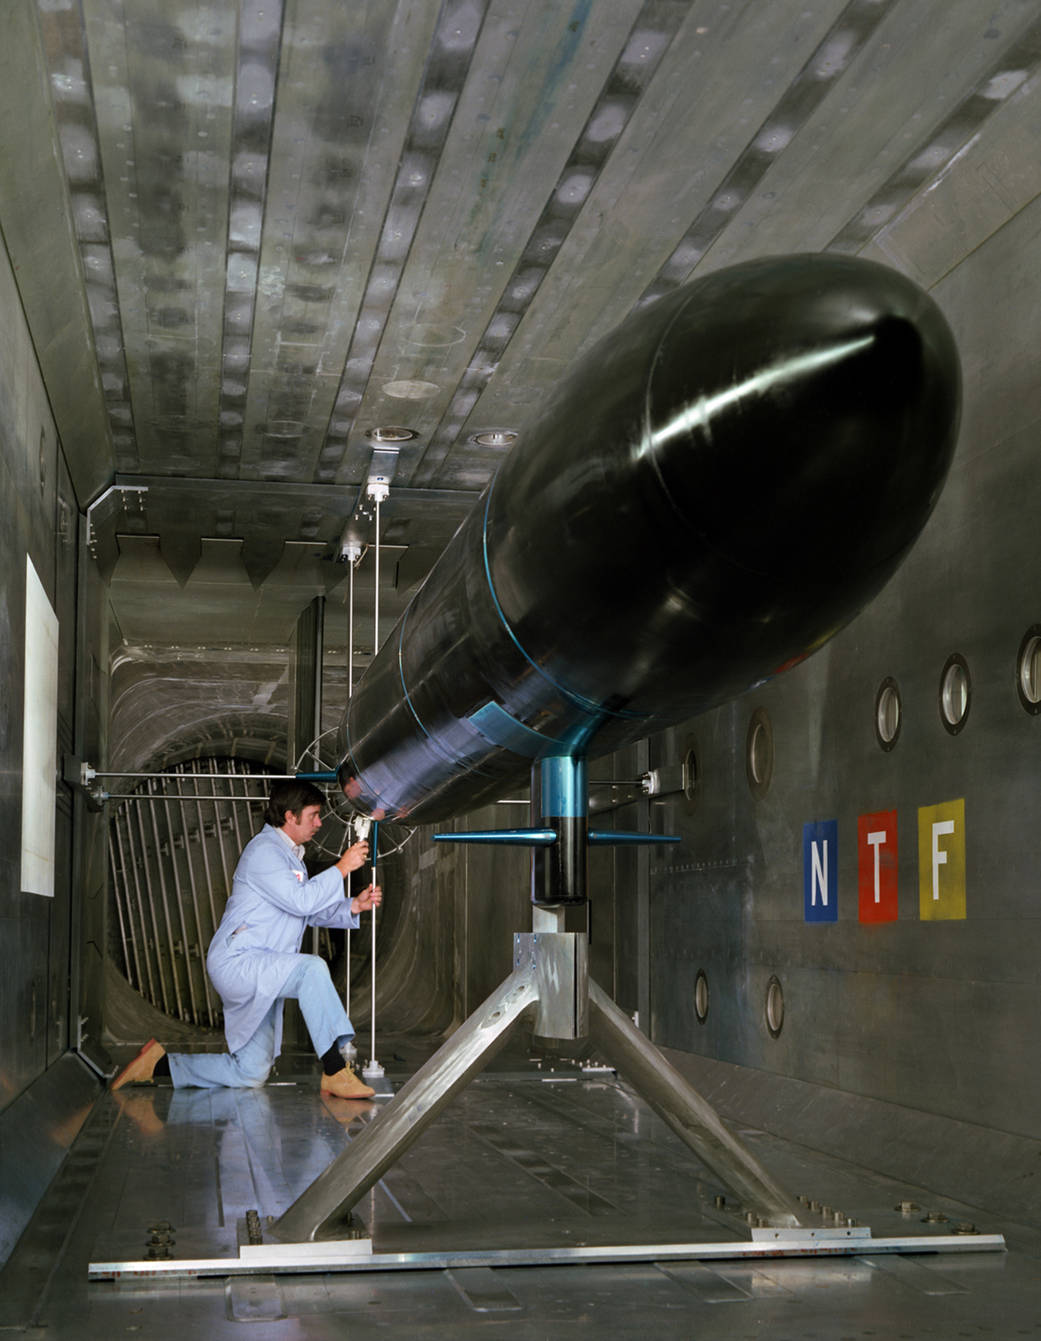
column 560, row 793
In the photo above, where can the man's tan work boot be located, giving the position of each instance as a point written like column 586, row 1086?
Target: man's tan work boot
column 139, row 1071
column 346, row 1085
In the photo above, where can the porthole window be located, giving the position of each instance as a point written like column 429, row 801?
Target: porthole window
column 888, row 713
column 759, row 752
column 691, row 777
column 774, row 1009
column 955, row 694
column 701, row 996
column 1028, row 670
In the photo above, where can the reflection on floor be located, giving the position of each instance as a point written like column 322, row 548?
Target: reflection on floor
column 527, row 1156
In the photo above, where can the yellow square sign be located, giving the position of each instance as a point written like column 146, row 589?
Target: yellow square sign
column 941, row 861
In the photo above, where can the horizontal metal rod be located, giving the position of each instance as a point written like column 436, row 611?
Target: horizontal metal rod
column 620, row 838
column 238, row 777
column 332, row 502
column 180, row 796
column 518, row 837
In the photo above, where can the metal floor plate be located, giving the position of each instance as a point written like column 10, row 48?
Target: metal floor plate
column 522, row 1159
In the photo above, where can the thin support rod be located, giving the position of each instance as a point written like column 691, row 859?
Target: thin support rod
column 374, row 1065
column 350, row 634
column 350, row 691
column 201, row 938
column 233, row 794
column 376, row 589
column 139, row 900
column 166, row 904
column 257, row 777
column 155, row 940
column 691, row 1117
column 179, row 899
column 373, row 1068
column 205, row 857
column 347, row 969
column 185, row 796
column 320, row 1211
column 129, row 946
column 218, row 833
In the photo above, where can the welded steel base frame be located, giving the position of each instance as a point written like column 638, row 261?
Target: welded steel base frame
column 550, row 984
column 358, row 1255
column 534, row 987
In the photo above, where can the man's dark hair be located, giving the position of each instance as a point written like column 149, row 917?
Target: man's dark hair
column 290, row 796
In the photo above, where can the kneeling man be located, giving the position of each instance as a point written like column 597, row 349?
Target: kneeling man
column 254, row 960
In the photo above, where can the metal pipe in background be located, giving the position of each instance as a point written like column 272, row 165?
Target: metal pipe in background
column 260, row 777
column 218, row 832
column 200, row 934
column 156, row 939
column 180, row 903
column 235, row 819
column 166, row 904
column 126, row 855
column 129, row 952
column 205, row 858
column 124, row 813
column 186, row 796
column 350, row 691
column 373, row 1067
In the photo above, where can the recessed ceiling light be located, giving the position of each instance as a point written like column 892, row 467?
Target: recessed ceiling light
column 410, row 389
column 495, row 437
column 391, row 433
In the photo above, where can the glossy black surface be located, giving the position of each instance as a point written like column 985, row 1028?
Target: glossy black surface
column 717, row 489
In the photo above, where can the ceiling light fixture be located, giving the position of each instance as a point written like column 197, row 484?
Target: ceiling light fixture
column 494, row 437
column 391, row 433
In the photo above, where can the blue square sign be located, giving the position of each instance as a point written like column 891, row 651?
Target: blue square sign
column 820, row 871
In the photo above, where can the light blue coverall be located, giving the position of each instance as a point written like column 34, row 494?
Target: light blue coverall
column 254, row 961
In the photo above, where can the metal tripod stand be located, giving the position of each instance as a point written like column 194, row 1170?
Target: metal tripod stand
column 550, row 986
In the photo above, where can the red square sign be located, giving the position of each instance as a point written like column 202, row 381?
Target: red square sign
column 877, row 866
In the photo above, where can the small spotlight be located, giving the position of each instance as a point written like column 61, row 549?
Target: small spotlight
column 391, row 433
column 494, row 437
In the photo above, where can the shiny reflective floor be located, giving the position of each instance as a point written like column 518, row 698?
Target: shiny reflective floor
column 532, row 1153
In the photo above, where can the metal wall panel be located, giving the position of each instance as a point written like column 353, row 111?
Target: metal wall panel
column 935, row 1015
column 33, row 929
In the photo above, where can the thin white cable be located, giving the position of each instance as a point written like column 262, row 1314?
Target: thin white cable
column 350, row 636
column 373, row 1068
column 350, row 691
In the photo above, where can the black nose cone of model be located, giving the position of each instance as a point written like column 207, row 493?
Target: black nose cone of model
column 796, row 429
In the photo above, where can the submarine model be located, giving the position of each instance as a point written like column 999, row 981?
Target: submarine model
column 715, row 490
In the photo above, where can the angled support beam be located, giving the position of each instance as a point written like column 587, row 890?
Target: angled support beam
column 549, row 982
column 321, row 1212
column 690, row 1116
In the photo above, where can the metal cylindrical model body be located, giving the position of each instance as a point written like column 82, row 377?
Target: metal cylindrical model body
column 716, row 489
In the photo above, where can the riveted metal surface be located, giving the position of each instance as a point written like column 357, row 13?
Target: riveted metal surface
column 520, row 1158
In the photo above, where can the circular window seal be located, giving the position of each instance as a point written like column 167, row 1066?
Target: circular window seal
column 955, row 693
column 701, row 997
column 773, row 1007
column 889, row 714
column 759, row 752
column 1028, row 670
column 691, row 775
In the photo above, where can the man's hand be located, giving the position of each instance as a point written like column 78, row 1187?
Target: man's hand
column 354, row 858
column 368, row 898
